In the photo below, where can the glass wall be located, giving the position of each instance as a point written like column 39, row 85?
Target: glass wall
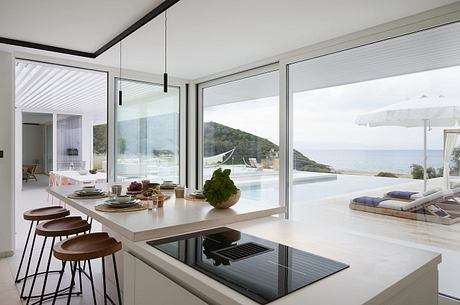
column 241, row 133
column 147, row 132
column 358, row 130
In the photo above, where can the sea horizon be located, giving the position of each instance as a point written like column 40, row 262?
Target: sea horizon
column 375, row 160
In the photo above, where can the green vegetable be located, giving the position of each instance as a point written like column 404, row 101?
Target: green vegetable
column 219, row 188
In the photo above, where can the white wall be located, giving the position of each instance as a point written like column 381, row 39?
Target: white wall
column 33, row 145
column 6, row 164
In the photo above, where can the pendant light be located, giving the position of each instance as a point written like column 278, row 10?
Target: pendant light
column 165, row 74
column 120, row 92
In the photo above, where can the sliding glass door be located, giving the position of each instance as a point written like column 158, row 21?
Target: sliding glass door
column 241, row 133
column 147, row 132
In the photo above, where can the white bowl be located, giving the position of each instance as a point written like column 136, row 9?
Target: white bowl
column 123, row 198
column 89, row 188
column 83, row 172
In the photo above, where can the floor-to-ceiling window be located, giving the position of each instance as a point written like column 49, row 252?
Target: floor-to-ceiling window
column 241, row 133
column 147, row 132
column 358, row 130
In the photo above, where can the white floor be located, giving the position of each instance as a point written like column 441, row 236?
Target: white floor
column 33, row 196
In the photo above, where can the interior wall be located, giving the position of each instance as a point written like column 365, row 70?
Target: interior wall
column 6, row 145
column 33, row 145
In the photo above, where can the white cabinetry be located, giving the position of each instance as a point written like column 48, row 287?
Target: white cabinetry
column 143, row 285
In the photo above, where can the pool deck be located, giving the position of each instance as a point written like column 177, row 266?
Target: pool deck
column 334, row 213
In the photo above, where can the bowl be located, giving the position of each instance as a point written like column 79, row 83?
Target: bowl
column 123, row 198
column 83, row 172
column 168, row 183
column 89, row 188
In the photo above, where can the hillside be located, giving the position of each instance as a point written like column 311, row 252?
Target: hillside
column 220, row 138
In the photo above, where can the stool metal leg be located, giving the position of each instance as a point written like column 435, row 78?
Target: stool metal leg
column 79, row 276
column 59, row 282
column 17, row 280
column 72, row 281
column 47, row 270
column 36, row 271
column 103, row 281
column 92, row 282
column 28, row 265
column 116, row 278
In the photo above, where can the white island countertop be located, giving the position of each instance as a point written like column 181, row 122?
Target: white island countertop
column 176, row 217
column 380, row 273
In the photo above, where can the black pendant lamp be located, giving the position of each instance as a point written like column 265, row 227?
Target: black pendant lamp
column 165, row 74
column 120, row 92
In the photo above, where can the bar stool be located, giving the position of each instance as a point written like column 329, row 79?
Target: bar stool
column 86, row 248
column 62, row 227
column 35, row 216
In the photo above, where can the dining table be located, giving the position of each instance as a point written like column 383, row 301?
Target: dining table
column 77, row 178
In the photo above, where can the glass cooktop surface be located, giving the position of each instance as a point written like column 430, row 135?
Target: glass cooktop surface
column 260, row 269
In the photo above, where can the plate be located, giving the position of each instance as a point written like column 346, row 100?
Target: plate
column 89, row 193
column 115, row 204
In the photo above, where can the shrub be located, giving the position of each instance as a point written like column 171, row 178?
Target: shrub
column 417, row 172
column 386, row 174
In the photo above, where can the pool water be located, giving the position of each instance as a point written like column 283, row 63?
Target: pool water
column 305, row 191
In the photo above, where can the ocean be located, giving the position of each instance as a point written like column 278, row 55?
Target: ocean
column 394, row 161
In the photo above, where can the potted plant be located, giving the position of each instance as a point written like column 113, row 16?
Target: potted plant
column 220, row 191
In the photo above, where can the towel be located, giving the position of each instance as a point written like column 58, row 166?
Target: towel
column 368, row 201
column 401, row 194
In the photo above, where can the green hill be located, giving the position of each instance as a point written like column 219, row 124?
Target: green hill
column 220, row 138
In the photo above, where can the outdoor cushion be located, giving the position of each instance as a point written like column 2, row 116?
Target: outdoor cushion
column 393, row 205
column 401, row 194
column 423, row 200
column 368, row 201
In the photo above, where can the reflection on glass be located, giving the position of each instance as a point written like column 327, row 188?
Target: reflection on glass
column 240, row 132
column 69, row 142
column 147, row 133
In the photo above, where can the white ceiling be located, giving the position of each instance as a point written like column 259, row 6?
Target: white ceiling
column 205, row 36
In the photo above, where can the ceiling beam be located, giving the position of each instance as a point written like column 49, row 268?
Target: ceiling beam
column 134, row 27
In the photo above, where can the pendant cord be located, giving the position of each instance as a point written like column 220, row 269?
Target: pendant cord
column 120, row 66
column 166, row 42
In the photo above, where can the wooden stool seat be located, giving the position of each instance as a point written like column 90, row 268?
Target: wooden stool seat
column 86, row 247
column 46, row 213
column 63, row 227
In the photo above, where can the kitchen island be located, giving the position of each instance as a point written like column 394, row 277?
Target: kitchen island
column 378, row 273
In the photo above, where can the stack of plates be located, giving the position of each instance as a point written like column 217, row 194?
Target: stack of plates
column 168, row 186
column 95, row 192
column 116, row 204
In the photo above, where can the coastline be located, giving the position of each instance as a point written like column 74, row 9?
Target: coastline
column 365, row 173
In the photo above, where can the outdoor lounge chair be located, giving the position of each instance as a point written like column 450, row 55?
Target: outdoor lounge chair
column 431, row 208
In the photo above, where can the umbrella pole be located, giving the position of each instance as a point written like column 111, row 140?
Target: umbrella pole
column 425, row 178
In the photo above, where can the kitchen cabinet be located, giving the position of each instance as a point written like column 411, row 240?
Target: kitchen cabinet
column 143, row 285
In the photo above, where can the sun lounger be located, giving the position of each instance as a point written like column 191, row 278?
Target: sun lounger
column 410, row 195
column 430, row 208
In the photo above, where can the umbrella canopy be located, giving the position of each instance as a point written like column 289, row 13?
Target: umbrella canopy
column 440, row 111
column 419, row 112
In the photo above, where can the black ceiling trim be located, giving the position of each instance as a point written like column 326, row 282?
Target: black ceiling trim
column 134, row 27
column 44, row 47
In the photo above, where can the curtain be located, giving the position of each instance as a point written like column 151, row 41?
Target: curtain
column 449, row 145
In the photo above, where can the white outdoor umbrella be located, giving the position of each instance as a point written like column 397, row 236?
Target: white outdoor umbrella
column 419, row 112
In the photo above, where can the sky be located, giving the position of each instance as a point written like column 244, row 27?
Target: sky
column 325, row 118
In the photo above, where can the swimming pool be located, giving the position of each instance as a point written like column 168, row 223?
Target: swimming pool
column 305, row 191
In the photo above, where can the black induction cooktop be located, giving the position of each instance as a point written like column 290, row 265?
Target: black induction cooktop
column 260, row 269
